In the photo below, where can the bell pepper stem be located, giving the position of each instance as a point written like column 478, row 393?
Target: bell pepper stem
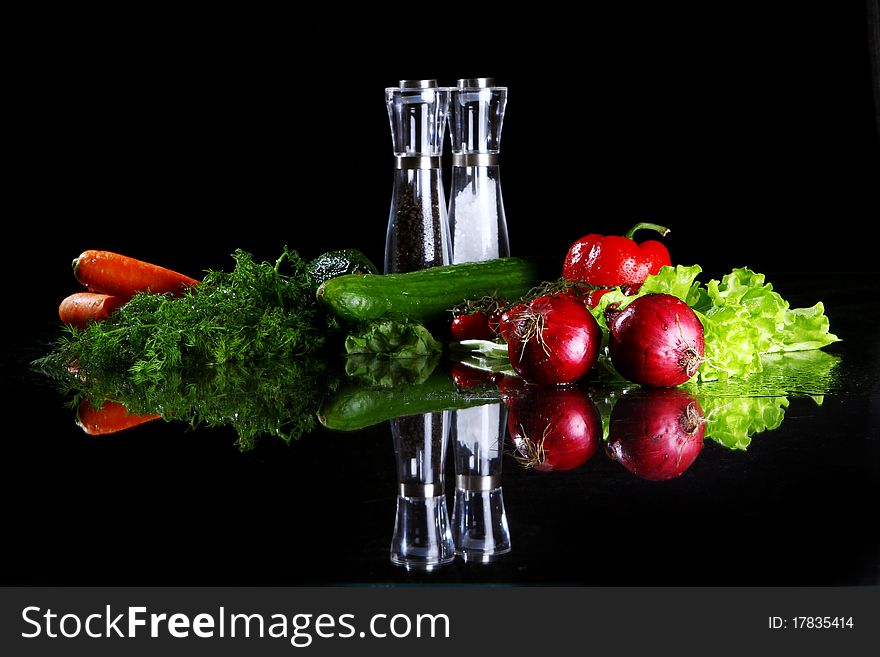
column 649, row 226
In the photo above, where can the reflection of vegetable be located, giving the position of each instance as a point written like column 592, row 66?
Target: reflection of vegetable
column 109, row 417
column 553, row 428
column 82, row 307
column 119, row 275
column 656, row 341
column 254, row 399
column 354, row 407
column 467, row 376
column 380, row 370
column 610, row 260
column 656, row 434
column 552, row 340
column 742, row 317
column 426, row 295
column 736, row 410
column 732, row 421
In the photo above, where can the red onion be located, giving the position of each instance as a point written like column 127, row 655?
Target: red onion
column 554, row 428
column 656, row 434
column 657, row 340
column 552, row 340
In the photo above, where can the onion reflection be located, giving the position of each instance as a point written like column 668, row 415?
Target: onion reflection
column 656, row 434
column 553, row 428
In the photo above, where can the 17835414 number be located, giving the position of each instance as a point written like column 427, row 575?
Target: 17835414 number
column 810, row 623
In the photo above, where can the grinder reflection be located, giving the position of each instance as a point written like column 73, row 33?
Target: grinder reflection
column 479, row 521
column 422, row 539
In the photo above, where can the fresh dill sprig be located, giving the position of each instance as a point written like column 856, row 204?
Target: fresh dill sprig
column 255, row 313
column 243, row 348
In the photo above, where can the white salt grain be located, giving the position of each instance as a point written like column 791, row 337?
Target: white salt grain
column 476, row 222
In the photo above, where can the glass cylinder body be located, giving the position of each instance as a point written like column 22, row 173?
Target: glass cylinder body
column 422, row 538
column 478, row 225
column 479, row 521
column 418, row 228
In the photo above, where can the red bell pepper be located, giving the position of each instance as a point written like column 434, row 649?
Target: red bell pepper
column 612, row 260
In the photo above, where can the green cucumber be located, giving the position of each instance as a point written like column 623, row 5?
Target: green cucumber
column 427, row 295
column 355, row 407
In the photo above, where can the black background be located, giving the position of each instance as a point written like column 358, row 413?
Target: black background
column 751, row 132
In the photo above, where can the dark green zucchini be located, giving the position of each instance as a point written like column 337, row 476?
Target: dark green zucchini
column 339, row 263
column 427, row 295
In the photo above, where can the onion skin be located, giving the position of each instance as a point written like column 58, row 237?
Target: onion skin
column 552, row 340
column 554, row 429
column 656, row 434
column 657, row 340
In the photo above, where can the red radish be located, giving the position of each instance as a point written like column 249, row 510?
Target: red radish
column 592, row 299
column 656, row 434
column 506, row 324
column 657, row 340
column 495, row 321
column 554, row 428
column 472, row 326
column 552, row 340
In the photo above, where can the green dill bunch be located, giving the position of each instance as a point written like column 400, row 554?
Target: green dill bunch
column 252, row 314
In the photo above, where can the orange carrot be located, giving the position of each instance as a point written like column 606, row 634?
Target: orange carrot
column 109, row 418
column 83, row 307
column 119, row 275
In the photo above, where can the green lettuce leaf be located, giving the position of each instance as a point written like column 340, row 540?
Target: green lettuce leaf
column 732, row 421
column 743, row 318
column 804, row 329
column 393, row 339
column 737, row 409
column 679, row 281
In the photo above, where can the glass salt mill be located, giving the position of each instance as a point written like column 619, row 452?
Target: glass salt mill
column 477, row 223
column 422, row 539
column 479, row 521
column 418, row 230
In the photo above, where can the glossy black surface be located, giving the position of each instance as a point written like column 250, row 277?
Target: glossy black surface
column 162, row 504
column 752, row 133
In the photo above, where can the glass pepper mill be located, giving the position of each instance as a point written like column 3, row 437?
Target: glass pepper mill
column 477, row 223
column 479, row 521
column 422, row 538
column 418, row 230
